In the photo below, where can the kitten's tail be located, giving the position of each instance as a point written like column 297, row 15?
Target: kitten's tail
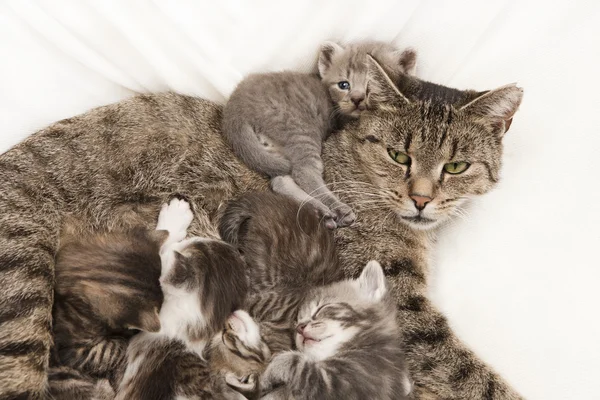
column 247, row 146
column 234, row 222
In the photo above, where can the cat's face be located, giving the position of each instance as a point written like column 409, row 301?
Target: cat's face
column 335, row 314
column 422, row 159
column 243, row 348
column 344, row 71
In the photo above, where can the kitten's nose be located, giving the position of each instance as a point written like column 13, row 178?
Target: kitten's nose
column 420, row 201
column 357, row 99
column 300, row 328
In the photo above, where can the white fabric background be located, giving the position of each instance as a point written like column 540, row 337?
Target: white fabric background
column 518, row 277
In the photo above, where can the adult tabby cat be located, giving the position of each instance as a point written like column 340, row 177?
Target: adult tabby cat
column 115, row 165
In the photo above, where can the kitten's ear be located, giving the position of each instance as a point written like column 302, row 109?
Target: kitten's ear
column 372, row 281
column 407, row 60
column 381, row 90
column 148, row 321
column 328, row 50
column 496, row 107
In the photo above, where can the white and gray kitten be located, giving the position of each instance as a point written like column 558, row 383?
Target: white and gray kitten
column 348, row 346
column 276, row 122
column 203, row 282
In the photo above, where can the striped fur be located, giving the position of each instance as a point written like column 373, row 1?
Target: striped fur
column 106, row 284
column 115, row 165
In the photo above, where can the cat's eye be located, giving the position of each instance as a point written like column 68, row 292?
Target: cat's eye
column 399, row 157
column 344, row 85
column 456, row 167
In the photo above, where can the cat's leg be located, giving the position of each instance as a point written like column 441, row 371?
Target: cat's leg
column 65, row 383
column 285, row 185
column 441, row 366
column 175, row 218
column 97, row 358
column 308, row 174
column 281, row 371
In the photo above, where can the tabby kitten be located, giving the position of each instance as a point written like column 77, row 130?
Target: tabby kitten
column 287, row 250
column 203, row 281
column 347, row 346
column 106, row 286
column 276, row 122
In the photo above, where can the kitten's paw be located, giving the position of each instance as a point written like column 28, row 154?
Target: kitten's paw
column 175, row 217
column 344, row 216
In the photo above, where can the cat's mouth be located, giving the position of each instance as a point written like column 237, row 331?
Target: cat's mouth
column 308, row 340
column 419, row 221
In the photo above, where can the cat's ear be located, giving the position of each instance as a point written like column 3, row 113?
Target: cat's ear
column 381, row 90
column 371, row 282
column 407, row 60
column 148, row 321
column 497, row 107
column 326, row 54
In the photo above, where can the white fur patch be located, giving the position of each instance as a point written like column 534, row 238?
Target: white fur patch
column 175, row 218
column 250, row 334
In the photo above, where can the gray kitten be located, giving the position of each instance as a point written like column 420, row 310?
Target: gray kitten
column 276, row 122
column 348, row 347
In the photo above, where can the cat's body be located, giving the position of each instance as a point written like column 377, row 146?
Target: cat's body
column 203, row 282
column 276, row 122
column 106, row 286
column 288, row 252
column 115, row 165
column 347, row 346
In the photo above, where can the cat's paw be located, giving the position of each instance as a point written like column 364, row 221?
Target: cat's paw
column 175, row 217
column 344, row 216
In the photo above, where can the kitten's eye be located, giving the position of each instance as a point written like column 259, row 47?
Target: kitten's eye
column 455, row 168
column 344, row 85
column 399, row 157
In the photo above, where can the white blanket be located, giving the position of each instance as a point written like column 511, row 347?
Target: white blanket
column 519, row 276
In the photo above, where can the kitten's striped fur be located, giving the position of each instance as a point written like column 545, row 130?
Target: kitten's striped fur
column 106, row 285
column 115, row 165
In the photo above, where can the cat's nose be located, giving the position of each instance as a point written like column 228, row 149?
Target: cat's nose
column 357, row 99
column 300, row 328
column 420, row 201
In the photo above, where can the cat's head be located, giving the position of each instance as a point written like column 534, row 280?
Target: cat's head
column 343, row 70
column 336, row 315
column 239, row 347
column 423, row 149
column 239, row 352
column 203, row 282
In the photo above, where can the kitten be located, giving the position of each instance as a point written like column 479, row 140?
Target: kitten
column 106, row 286
column 276, row 122
column 347, row 346
column 203, row 282
column 288, row 252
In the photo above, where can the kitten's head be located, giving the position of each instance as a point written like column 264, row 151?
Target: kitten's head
column 343, row 69
column 337, row 314
column 239, row 352
column 423, row 149
column 239, row 348
column 203, row 282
